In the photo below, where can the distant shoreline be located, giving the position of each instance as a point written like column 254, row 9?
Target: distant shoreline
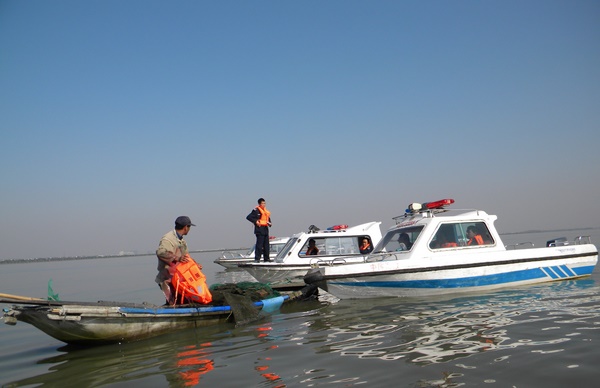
column 547, row 231
column 43, row 259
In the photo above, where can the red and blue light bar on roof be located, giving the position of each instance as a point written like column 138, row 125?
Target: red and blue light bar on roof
column 338, row 227
column 438, row 204
column 417, row 207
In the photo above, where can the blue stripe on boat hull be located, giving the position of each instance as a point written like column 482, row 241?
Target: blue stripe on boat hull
column 191, row 310
column 478, row 281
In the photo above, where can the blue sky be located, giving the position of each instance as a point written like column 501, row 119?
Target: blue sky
column 118, row 116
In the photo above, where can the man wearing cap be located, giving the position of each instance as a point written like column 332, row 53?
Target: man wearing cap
column 171, row 250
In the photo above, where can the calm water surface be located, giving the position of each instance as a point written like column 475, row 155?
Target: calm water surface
column 546, row 335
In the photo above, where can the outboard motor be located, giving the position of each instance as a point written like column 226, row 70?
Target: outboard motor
column 314, row 276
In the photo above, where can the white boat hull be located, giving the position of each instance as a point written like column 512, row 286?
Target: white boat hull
column 291, row 275
column 233, row 263
column 401, row 278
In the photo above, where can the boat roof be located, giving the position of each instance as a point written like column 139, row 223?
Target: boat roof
column 432, row 210
column 340, row 229
column 278, row 240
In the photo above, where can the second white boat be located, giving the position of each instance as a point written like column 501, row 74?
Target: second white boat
column 337, row 245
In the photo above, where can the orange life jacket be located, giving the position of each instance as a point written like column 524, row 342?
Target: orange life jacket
column 449, row 245
column 265, row 215
column 312, row 251
column 190, row 283
column 477, row 238
column 364, row 247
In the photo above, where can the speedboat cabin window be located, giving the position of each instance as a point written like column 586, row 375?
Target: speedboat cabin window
column 333, row 246
column 365, row 245
column 399, row 240
column 461, row 235
column 313, row 247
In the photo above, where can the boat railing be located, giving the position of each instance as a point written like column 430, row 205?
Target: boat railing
column 315, row 263
column 230, row 255
column 429, row 213
column 523, row 245
column 381, row 256
column 337, row 260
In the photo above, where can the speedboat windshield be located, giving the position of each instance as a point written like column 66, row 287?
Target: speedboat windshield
column 286, row 248
column 399, row 240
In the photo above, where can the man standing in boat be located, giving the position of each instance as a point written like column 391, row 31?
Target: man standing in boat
column 171, row 250
column 261, row 219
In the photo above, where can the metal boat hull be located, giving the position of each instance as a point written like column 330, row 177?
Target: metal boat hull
column 81, row 325
column 233, row 263
column 290, row 275
column 91, row 324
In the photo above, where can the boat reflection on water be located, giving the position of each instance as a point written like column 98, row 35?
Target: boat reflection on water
column 429, row 331
column 192, row 363
column 182, row 358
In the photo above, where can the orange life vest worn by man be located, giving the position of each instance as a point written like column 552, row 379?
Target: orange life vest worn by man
column 365, row 246
column 261, row 218
column 172, row 249
column 473, row 236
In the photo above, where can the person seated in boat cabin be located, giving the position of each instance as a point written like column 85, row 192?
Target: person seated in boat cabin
column 445, row 242
column 474, row 236
column 404, row 242
column 365, row 246
column 312, row 248
column 485, row 236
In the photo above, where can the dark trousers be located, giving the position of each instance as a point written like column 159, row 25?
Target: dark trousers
column 262, row 247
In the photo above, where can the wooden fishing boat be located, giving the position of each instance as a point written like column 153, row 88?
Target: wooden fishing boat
column 431, row 251
column 113, row 322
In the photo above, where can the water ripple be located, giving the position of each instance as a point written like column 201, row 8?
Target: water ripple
column 436, row 332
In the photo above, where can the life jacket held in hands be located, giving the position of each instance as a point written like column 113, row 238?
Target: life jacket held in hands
column 189, row 283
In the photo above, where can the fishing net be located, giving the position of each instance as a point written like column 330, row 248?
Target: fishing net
column 252, row 290
column 242, row 308
column 241, row 297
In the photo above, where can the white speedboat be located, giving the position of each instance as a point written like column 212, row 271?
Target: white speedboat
column 335, row 246
column 431, row 252
column 229, row 259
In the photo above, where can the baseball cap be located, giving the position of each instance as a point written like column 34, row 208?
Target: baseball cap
column 184, row 221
